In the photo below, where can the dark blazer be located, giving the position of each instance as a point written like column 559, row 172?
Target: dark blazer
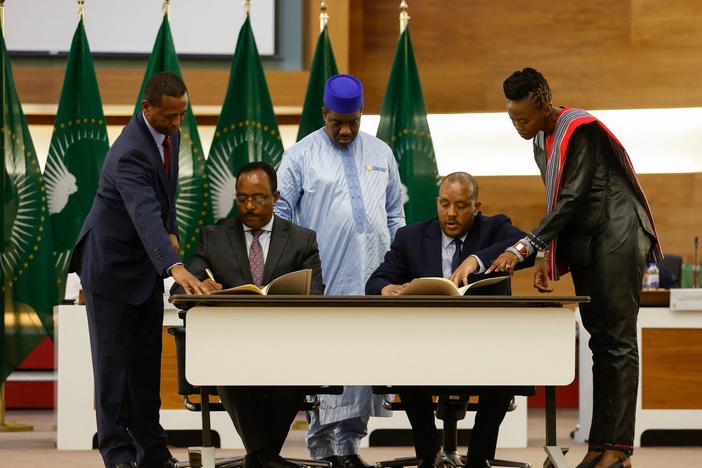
column 123, row 250
column 222, row 249
column 416, row 252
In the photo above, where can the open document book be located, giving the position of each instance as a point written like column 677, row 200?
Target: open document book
column 296, row 283
column 436, row 286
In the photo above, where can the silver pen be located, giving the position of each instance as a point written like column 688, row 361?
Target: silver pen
column 209, row 273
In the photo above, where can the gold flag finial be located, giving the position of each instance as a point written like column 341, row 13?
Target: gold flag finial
column 81, row 9
column 247, row 6
column 166, row 8
column 2, row 16
column 404, row 16
column 323, row 16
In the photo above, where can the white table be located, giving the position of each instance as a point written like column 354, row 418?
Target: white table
column 428, row 341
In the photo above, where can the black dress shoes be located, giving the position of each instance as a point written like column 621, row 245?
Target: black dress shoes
column 353, row 461
column 170, row 463
column 335, row 460
column 279, row 462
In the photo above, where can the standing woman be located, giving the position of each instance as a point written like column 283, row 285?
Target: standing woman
column 599, row 227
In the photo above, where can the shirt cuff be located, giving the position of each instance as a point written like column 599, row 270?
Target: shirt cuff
column 171, row 267
column 480, row 264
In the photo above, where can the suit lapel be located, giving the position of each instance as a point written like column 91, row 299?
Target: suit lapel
column 472, row 243
column 235, row 233
column 433, row 249
column 279, row 237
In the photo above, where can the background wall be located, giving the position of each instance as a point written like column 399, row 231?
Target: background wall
column 599, row 54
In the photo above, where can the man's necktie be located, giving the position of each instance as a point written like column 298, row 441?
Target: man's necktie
column 167, row 155
column 456, row 259
column 256, row 258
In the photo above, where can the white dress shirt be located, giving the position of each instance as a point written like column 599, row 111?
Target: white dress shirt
column 264, row 239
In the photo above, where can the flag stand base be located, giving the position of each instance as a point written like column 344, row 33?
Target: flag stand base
column 12, row 426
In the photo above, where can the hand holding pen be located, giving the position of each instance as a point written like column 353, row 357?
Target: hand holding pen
column 211, row 283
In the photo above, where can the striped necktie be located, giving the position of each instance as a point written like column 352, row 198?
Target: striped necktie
column 256, row 258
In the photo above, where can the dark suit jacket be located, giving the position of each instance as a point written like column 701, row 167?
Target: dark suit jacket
column 123, row 251
column 416, row 252
column 598, row 209
column 222, row 249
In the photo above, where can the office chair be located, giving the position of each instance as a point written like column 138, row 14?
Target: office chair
column 451, row 407
column 186, row 390
column 670, row 271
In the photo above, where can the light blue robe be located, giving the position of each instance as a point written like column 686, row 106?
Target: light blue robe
column 352, row 198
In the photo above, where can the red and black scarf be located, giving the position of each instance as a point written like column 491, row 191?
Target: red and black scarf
column 568, row 121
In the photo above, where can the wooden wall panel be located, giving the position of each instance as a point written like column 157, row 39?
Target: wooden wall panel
column 671, row 371
column 599, row 54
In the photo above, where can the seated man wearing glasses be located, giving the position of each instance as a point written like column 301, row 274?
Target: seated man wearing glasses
column 257, row 247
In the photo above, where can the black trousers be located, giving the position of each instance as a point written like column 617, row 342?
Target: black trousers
column 262, row 415
column 492, row 407
column 613, row 282
column 125, row 342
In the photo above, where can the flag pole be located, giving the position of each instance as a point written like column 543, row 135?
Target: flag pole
column 247, row 7
column 81, row 10
column 9, row 426
column 404, row 16
column 323, row 16
column 167, row 9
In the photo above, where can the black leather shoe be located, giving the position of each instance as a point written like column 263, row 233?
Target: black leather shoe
column 353, row 461
column 279, row 462
column 170, row 463
column 335, row 460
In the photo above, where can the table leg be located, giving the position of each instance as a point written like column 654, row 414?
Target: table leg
column 555, row 453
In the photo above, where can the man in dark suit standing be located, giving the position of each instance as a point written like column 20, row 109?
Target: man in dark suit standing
column 127, row 245
column 257, row 247
column 435, row 248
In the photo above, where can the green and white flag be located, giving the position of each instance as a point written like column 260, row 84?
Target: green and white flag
column 323, row 67
column 247, row 129
column 192, row 194
column 28, row 279
column 78, row 147
column 403, row 126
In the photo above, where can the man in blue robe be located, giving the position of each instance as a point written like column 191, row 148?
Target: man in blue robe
column 343, row 184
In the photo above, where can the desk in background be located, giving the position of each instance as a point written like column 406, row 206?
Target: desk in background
column 670, row 356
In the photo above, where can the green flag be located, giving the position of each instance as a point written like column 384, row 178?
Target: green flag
column 403, row 125
column 191, row 197
column 78, row 147
column 28, row 279
column 323, row 67
column 247, row 129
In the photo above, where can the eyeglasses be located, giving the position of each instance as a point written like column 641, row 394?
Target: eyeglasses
column 255, row 199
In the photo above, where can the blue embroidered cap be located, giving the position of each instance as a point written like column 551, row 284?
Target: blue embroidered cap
column 343, row 94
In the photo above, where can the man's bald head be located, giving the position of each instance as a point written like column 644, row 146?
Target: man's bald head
column 462, row 178
column 457, row 204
